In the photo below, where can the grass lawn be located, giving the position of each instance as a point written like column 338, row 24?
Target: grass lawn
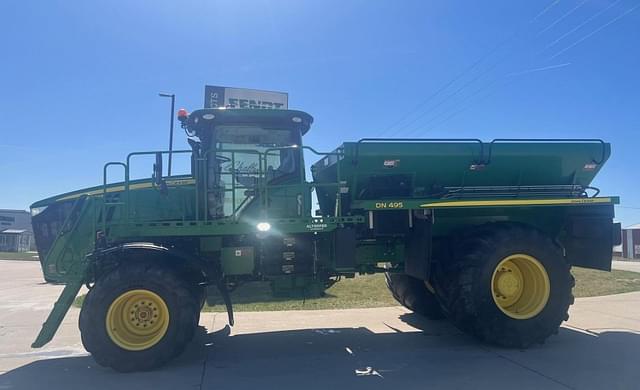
column 19, row 256
column 591, row 283
column 371, row 291
column 361, row 291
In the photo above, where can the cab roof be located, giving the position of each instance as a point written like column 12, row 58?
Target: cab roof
column 204, row 119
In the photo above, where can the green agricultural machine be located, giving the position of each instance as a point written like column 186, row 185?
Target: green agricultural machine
column 482, row 233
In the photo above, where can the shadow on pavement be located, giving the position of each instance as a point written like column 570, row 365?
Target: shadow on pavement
column 438, row 357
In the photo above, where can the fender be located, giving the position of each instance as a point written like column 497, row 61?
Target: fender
column 208, row 271
column 136, row 251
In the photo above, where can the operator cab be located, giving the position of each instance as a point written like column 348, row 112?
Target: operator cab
column 241, row 149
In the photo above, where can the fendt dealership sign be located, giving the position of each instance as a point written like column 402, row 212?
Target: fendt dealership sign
column 215, row 96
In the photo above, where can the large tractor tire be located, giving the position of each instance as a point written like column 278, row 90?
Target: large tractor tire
column 413, row 294
column 508, row 285
column 138, row 317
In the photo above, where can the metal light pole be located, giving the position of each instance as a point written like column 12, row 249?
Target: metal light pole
column 173, row 106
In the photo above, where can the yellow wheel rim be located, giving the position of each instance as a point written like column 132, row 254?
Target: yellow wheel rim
column 137, row 320
column 520, row 286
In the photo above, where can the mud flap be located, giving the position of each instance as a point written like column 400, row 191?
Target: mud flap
column 418, row 250
column 56, row 316
column 590, row 238
column 224, row 293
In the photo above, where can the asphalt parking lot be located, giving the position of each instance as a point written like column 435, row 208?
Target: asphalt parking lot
column 599, row 347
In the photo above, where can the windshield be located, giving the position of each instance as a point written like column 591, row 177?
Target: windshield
column 241, row 146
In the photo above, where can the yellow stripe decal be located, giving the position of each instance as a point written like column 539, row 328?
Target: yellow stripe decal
column 517, row 202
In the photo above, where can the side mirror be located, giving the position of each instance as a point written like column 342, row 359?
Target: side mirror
column 157, row 170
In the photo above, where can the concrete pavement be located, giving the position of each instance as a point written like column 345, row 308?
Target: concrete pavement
column 633, row 266
column 599, row 347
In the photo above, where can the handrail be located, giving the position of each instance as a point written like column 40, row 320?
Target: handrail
column 132, row 154
column 301, row 162
column 482, row 144
column 104, row 173
column 261, row 184
column 127, row 178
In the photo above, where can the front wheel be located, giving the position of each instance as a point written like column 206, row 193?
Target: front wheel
column 508, row 285
column 138, row 317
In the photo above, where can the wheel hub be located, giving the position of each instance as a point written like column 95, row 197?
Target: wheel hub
column 144, row 314
column 137, row 320
column 520, row 286
column 508, row 284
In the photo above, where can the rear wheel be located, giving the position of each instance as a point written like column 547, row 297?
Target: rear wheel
column 414, row 294
column 508, row 285
column 138, row 317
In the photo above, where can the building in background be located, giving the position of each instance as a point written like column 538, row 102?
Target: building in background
column 16, row 234
column 631, row 242
column 617, row 250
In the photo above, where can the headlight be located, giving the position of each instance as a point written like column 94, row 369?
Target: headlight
column 263, row 226
column 37, row 210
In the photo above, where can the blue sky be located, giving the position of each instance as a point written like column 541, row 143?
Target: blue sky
column 79, row 80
